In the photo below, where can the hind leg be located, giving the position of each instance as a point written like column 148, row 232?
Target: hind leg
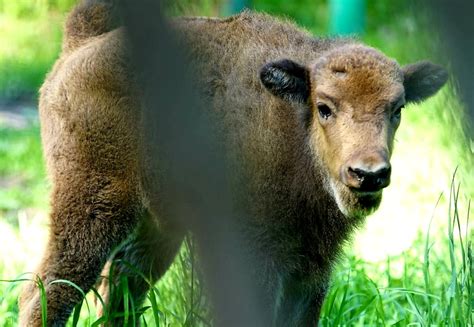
column 88, row 219
column 142, row 259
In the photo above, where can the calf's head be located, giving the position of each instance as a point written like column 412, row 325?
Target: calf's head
column 352, row 99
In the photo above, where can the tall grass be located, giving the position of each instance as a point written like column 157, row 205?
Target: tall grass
column 429, row 283
column 405, row 290
column 437, row 290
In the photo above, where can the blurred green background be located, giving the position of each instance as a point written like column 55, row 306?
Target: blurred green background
column 392, row 274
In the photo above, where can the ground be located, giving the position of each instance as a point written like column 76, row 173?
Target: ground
column 393, row 273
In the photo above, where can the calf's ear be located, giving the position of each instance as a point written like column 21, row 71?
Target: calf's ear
column 286, row 79
column 422, row 80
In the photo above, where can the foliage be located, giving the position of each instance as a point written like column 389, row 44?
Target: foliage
column 431, row 283
column 31, row 38
column 437, row 290
column 22, row 174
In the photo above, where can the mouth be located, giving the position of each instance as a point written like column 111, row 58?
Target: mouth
column 368, row 200
column 354, row 202
column 365, row 194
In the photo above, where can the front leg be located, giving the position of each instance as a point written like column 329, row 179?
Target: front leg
column 299, row 301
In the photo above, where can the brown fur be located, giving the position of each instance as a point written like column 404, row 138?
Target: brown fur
column 287, row 160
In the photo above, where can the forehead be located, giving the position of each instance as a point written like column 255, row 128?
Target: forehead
column 359, row 74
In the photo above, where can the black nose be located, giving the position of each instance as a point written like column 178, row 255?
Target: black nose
column 370, row 181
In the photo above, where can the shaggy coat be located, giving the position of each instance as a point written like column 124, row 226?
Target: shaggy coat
column 263, row 79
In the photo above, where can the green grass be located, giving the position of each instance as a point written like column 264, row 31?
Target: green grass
column 431, row 284
column 22, row 170
column 411, row 265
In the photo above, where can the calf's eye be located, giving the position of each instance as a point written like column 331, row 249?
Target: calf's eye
column 324, row 111
column 396, row 115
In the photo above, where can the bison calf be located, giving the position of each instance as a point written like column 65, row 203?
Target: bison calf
column 311, row 121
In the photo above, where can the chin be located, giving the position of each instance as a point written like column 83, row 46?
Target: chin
column 354, row 204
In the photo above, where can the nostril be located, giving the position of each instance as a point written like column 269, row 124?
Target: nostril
column 382, row 176
column 357, row 173
column 383, row 173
